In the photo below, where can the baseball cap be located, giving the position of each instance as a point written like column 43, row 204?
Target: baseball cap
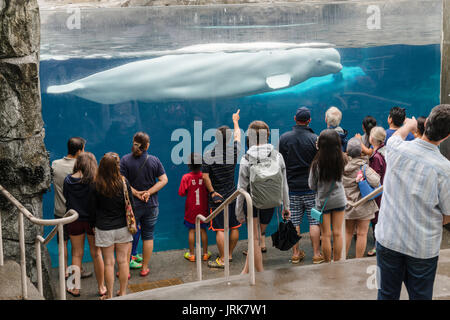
column 303, row 114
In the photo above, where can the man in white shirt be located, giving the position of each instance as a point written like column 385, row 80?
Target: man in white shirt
column 415, row 205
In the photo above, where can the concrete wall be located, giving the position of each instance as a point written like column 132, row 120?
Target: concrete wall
column 24, row 161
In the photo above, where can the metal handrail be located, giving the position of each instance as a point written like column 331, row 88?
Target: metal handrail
column 69, row 217
column 251, row 245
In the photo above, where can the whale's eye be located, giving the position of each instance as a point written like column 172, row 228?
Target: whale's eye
column 319, row 61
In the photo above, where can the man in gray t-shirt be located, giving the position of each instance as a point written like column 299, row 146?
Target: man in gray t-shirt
column 61, row 168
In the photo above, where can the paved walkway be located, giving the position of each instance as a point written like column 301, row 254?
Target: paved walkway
column 169, row 267
column 345, row 280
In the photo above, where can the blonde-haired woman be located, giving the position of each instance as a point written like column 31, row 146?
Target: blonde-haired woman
column 378, row 163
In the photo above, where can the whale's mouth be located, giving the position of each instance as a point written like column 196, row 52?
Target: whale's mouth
column 334, row 67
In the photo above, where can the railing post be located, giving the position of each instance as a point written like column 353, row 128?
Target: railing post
column 62, row 271
column 39, row 266
column 23, row 266
column 344, row 245
column 226, row 230
column 251, row 242
column 198, row 248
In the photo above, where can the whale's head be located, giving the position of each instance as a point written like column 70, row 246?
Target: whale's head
column 325, row 61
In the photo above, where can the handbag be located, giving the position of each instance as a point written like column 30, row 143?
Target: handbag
column 131, row 220
column 365, row 188
column 318, row 215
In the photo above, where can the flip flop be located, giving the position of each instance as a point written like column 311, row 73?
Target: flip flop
column 263, row 250
column 76, row 295
column 100, row 294
column 144, row 273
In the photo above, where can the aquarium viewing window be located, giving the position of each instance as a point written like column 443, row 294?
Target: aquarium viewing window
column 179, row 72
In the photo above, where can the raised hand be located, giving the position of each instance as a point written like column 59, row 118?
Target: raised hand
column 236, row 116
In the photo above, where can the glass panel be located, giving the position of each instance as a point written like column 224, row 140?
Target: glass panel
column 389, row 51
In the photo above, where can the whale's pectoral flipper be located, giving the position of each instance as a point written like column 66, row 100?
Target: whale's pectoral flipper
column 278, row 81
column 65, row 88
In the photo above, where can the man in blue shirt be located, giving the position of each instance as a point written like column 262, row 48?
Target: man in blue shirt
column 298, row 148
column 146, row 175
column 415, row 205
column 395, row 120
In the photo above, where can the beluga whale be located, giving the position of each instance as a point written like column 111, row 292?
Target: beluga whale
column 208, row 72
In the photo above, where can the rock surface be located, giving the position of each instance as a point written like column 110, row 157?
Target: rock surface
column 24, row 161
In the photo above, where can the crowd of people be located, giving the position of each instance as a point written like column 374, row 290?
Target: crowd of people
column 307, row 171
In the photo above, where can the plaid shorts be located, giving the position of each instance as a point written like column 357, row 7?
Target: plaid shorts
column 299, row 204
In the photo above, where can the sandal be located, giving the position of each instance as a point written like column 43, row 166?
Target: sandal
column 372, row 252
column 101, row 294
column 216, row 264
column 206, row 256
column 189, row 257
column 76, row 295
column 263, row 250
column 144, row 273
column 104, row 297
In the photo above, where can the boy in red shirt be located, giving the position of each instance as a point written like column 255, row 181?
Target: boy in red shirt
column 193, row 187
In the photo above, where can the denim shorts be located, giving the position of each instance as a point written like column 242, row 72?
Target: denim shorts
column 146, row 217
column 335, row 209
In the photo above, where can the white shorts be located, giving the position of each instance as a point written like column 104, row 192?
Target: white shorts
column 106, row 238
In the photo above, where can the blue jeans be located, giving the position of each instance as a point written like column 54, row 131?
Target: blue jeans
column 395, row 267
column 147, row 218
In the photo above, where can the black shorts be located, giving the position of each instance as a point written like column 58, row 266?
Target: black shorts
column 65, row 231
column 78, row 227
column 265, row 215
column 217, row 222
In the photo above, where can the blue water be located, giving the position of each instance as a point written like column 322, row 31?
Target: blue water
column 372, row 81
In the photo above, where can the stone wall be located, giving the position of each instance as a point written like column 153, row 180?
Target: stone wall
column 24, row 161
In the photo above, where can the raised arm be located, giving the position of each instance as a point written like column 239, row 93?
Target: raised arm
column 410, row 125
column 236, row 129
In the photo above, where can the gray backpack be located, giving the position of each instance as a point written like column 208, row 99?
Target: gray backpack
column 266, row 181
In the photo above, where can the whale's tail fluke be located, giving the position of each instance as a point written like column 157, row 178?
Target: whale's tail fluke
column 66, row 88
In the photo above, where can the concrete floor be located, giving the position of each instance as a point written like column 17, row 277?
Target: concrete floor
column 344, row 280
column 281, row 279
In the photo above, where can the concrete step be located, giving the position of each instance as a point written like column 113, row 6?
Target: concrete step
column 11, row 283
column 345, row 280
